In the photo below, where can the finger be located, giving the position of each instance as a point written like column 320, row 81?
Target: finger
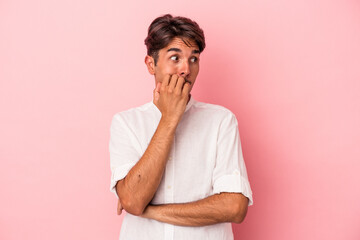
column 156, row 93
column 119, row 207
column 165, row 81
column 156, row 97
column 187, row 81
column 158, row 86
column 173, row 81
column 179, row 85
column 186, row 89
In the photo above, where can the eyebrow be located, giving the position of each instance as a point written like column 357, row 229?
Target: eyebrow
column 179, row 50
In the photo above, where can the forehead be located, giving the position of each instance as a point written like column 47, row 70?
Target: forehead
column 182, row 43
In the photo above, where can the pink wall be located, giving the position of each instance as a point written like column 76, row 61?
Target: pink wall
column 289, row 70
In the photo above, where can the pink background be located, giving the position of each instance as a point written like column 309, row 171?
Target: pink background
column 289, row 70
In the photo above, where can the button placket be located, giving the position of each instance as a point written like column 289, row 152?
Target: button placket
column 172, row 179
column 169, row 177
column 169, row 190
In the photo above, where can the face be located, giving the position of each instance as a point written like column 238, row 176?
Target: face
column 176, row 58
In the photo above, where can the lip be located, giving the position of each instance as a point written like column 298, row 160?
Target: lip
column 187, row 81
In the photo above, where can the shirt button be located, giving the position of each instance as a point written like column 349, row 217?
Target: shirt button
column 168, row 187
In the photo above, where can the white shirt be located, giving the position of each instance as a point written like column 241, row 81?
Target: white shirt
column 205, row 159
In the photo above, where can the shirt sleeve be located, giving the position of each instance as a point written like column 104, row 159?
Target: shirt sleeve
column 230, row 173
column 123, row 152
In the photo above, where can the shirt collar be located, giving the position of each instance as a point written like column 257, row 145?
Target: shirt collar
column 190, row 103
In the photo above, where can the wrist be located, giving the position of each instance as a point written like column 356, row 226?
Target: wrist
column 169, row 122
column 149, row 212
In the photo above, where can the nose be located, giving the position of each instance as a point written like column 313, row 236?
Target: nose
column 184, row 69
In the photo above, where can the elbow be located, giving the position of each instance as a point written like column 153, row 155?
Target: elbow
column 129, row 203
column 238, row 217
column 239, row 210
column 132, row 207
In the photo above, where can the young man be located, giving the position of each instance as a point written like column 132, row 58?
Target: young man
column 177, row 164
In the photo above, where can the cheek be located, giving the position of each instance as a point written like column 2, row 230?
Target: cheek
column 169, row 69
column 195, row 69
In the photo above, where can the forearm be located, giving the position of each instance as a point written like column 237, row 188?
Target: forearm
column 218, row 208
column 139, row 186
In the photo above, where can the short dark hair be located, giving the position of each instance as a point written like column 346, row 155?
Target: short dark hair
column 165, row 28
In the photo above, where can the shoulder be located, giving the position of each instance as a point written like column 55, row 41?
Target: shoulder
column 131, row 114
column 215, row 111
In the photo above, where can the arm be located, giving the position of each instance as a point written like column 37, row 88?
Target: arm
column 137, row 189
column 218, row 208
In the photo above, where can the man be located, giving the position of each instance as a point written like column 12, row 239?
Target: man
column 177, row 164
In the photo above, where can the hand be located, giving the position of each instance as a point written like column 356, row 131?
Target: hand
column 171, row 97
column 119, row 208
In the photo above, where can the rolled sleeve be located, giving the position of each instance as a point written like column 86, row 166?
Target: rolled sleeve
column 123, row 152
column 230, row 173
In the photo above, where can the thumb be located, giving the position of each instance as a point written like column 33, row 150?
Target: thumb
column 157, row 92
column 119, row 208
column 158, row 86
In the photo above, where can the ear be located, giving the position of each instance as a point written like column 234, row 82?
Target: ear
column 150, row 64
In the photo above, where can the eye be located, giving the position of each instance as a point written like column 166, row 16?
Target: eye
column 194, row 59
column 174, row 58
